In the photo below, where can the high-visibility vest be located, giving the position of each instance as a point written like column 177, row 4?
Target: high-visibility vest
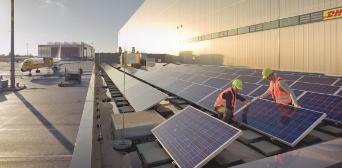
column 220, row 101
column 278, row 94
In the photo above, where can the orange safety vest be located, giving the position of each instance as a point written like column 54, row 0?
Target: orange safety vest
column 278, row 94
column 220, row 101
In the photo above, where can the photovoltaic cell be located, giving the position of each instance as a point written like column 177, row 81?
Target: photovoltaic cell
column 227, row 76
column 245, row 72
column 260, row 91
column 331, row 105
column 326, row 89
column 192, row 137
column 217, row 82
column 285, row 123
column 177, row 86
column 248, row 88
column 319, row 80
column 185, row 76
column 210, row 74
column 249, row 79
column 196, row 92
column 199, row 79
column 230, row 71
column 290, row 77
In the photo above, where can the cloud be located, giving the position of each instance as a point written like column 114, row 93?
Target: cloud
column 57, row 3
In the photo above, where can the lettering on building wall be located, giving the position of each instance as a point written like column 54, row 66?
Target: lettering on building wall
column 332, row 13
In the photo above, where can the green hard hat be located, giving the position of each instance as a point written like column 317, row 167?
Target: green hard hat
column 238, row 84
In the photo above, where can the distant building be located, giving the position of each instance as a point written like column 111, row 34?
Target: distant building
column 68, row 50
column 109, row 58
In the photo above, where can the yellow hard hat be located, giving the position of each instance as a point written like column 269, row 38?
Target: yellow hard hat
column 266, row 73
column 238, row 84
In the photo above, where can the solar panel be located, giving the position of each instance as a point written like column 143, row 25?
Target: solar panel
column 210, row 74
column 248, row 88
column 290, row 77
column 217, row 82
column 331, row 105
column 245, row 72
column 192, row 138
column 196, row 92
column 227, row 76
column 326, row 89
column 140, row 95
column 319, row 80
column 199, row 79
column 249, row 79
column 284, row 123
column 230, row 71
column 177, row 86
column 185, row 76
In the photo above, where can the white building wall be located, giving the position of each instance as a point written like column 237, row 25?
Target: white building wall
column 313, row 47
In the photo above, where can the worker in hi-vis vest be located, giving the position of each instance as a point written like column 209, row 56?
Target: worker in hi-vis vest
column 280, row 91
column 225, row 102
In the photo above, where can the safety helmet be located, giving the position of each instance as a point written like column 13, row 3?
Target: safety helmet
column 266, row 73
column 238, row 84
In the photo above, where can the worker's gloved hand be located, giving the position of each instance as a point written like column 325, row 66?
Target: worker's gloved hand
column 297, row 106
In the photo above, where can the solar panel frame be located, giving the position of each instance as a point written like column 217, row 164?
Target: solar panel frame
column 339, row 93
column 296, row 141
column 210, row 156
column 339, row 82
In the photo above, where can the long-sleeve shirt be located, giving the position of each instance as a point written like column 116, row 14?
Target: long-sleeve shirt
column 228, row 96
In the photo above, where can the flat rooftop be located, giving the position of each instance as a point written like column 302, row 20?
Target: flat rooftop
column 38, row 125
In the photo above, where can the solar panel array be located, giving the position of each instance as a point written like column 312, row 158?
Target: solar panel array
column 183, row 79
column 202, row 84
column 192, row 137
column 140, row 95
column 285, row 123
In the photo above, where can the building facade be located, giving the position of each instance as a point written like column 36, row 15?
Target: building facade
column 67, row 50
column 296, row 35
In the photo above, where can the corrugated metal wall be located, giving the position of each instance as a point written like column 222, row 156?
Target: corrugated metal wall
column 313, row 47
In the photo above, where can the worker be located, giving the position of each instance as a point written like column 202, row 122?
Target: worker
column 225, row 102
column 280, row 91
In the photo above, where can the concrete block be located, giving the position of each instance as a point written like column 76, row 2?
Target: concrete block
column 117, row 99
column 137, row 119
column 152, row 154
column 126, row 109
column 331, row 130
column 227, row 158
column 267, row 148
column 249, row 136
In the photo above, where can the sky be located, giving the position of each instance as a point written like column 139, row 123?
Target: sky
column 95, row 22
